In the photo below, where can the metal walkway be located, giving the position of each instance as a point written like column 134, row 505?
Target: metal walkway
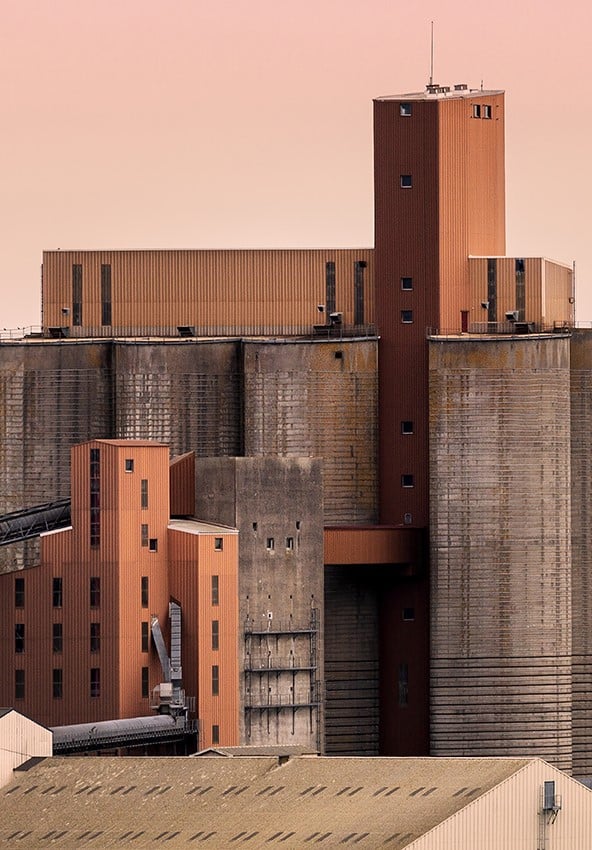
column 31, row 522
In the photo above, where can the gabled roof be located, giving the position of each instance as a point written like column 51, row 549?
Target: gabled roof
column 220, row 802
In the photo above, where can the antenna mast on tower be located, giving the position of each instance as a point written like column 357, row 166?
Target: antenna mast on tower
column 431, row 83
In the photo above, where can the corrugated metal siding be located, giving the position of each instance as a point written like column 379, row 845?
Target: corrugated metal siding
column 372, row 546
column 182, row 485
column 216, row 292
column 509, row 816
column 20, row 739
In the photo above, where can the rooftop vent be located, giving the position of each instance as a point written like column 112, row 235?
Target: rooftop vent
column 460, row 87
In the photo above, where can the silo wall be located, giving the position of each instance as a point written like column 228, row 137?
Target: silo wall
column 501, row 605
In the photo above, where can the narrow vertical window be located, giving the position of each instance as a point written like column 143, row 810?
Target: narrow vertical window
column 215, row 590
column 145, row 637
column 144, row 591
column 19, row 637
column 215, row 680
column 95, row 682
column 95, row 592
column 270, row 544
column 491, row 303
column 57, row 637
column 486, row 110
column 329, row 287
column 215, row 634
column 145, row 683
column 403, row 684
column 476, row 110
column 359, row 268
column 105, row 294
column 19, row 593
column 76, row 294
column 153, row 544
column 129, row 464
column 95, row 637
column 520, row 289
column 95, row 498
column 19, row 684
column 56, row 592
column 289, row 544
column 144, row 532
column 57, row 683
column 144, row 494
column 218, row 544
column 215, row 734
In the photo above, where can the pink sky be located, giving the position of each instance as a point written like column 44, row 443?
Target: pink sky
column 227, row 123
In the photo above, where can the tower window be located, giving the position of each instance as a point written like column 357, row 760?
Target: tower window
column 129, row 464
column 56, row 592
column 408, row 615
column 19, row 593
column 95, row 591
column 95, row 682
column 76, row 294
column 215, row 634
column 144, row 494
column 145, row 637
column 270, row 544
column 95, row 498
column 406, row 284
column 57, row 680
column 144, row 533
column 406, row 426
column 289, row 544
column 403, row 684
column 218, row 544
column 215, row 734
column 407, row 480
column 19, row 684
column 153, row 544
column 144, row 591
column 407, row 317
column 105, row 294
column 215, row 680
column 405, row 109
column 57, row 637
column 215, row 590
column 476, row 110
column 486, row 110
column 406, row 181
column 19, row 637
column 95, row 637
column 145, row 683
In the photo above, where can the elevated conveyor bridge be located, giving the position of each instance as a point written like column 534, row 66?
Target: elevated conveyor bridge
column 31, row 522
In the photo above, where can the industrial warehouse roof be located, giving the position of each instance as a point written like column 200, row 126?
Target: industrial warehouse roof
column 226, row 802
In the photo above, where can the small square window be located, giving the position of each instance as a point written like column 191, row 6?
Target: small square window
column 289, row 544
column 129, row 464
column 408, row 615
column 407, row 480
column 19, row 593
column 270, row 544
column 218, row 544
column 406, row 181
column 486, row 110
column 406, row 426
column 476, row 110
column 405, row 109
column 153, row 544
column 406, row 284
column 407, row 317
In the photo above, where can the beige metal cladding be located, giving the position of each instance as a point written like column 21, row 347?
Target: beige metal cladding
column 213, row 292
column 511, row 815
column 538, row 290
column 20, row 740
column 500, row 547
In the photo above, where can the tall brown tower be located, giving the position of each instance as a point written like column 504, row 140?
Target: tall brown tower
column 439, row 197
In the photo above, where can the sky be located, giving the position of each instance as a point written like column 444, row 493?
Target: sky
column 235, row 124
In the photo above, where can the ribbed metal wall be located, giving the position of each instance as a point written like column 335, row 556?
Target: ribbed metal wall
column 351, row 664
column 501, row 605
column 216, row 292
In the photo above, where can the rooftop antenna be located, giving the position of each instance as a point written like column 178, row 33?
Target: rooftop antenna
column 432, row 58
